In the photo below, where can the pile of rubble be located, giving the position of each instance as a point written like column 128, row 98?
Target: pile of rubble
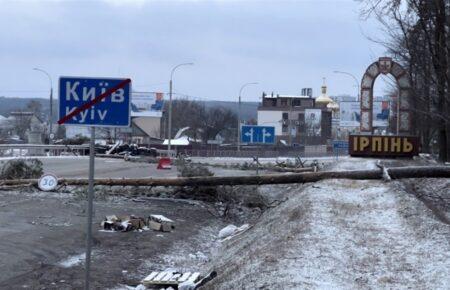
column 134, row 223
column 126, row 149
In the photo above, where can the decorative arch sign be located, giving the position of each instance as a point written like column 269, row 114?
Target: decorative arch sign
column 367, row 144
column 385, row 65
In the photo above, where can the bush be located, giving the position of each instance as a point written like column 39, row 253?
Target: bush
column 192, row 170
column 22, row 169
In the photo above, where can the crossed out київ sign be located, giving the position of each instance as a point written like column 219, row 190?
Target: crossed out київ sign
column 94, row 101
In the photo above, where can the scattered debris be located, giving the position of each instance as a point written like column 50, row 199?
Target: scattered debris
column 231, row 231
column 199, row 256
column 123, row 224
column 73, row 261
column 125, row 149
column 160, row 223
column 134, row 223
column 171, row 279
column 227, row 231
column 164, row 163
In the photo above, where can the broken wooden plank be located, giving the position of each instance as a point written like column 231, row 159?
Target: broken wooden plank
column 184, row 277
column 159, row 276
column 167, row 277
column 151, row 276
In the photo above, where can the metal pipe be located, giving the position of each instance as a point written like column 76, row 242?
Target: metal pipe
column 90, row 202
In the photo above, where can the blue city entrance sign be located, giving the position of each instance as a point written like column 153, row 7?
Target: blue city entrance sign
column 258, row 134
column 112, row 110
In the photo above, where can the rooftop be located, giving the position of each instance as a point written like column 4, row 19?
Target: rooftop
column 286, row 96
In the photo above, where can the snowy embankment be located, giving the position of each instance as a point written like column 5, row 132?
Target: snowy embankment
column 342, row 234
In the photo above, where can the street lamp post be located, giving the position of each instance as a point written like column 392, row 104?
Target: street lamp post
column 239, row 115
column 349, row 74
column 50, row 118
column 170, row 102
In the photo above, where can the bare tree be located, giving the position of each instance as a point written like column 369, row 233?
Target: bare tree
column 20, row 124
column 217, row 120
column 204, row 123
column 34, row 107
column 418, row 38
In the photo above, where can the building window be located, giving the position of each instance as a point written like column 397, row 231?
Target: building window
column 270, row 102
column 296, row 102
column 307, row 103
column 284, row 102
column 285, row 116
column 301, row 122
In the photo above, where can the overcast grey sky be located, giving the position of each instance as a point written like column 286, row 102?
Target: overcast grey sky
column 283, row 45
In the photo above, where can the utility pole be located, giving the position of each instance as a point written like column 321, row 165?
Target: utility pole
column 239, row 115
column 170, row 102
column 354, row 78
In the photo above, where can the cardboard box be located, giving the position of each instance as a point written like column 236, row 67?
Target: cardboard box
column 160, row 223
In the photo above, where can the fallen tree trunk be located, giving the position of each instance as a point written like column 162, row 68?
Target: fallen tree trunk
column 395, row 173
column 284, row 169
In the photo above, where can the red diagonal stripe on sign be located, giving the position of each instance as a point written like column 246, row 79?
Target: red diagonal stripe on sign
column 89, row 104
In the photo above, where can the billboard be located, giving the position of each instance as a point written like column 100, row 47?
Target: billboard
column 313, row 122
column 147, row 104
column 350, row 114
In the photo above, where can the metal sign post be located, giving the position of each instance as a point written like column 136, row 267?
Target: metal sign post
column 90, row 207
column 101, row 102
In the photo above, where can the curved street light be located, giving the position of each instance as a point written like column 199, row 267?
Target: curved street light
column 170, row 102
column 351, row 75
column 50, row 118
column 239, row 115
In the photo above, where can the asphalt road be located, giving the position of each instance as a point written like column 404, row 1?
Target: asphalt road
column 78, row 167
column 114, row 168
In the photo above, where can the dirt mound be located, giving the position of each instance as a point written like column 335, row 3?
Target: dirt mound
column 339, row 234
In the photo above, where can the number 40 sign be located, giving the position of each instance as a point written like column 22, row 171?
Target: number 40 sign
column 47, row 182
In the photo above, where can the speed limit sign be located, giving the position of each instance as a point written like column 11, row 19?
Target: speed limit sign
column 47, row 182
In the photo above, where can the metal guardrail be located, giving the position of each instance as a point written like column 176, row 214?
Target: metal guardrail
column 43, row 146
column 258, row 153
column 41, row 149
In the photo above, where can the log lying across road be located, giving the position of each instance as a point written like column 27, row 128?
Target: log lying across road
column 395, row 173
column 287, row 169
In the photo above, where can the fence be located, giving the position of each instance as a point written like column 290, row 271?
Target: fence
column 309, row 151
column 40, row 149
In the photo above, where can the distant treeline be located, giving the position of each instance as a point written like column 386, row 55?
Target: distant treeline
column 10, row 104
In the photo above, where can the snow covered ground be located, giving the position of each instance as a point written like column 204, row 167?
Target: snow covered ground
column 342, row 234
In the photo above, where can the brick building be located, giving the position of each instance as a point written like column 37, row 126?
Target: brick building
column 298, row 120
